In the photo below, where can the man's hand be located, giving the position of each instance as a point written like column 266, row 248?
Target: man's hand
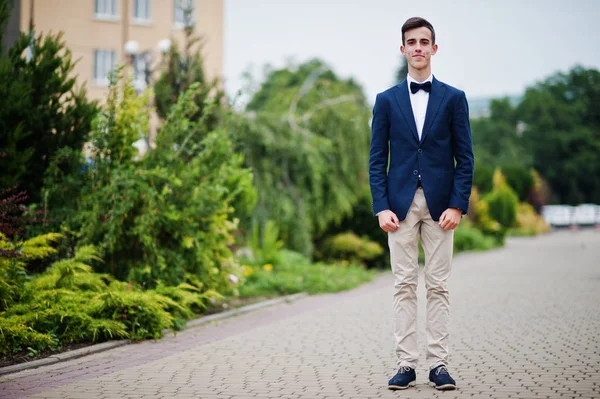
column 450, row 218
column 388, row 221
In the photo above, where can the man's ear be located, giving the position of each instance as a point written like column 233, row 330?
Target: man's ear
column 402, row 50
column 434, row 49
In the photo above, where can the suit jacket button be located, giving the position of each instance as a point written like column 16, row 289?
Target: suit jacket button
column 420, row 151
column 415, row 172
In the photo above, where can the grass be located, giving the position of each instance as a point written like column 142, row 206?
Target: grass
column 294, row 273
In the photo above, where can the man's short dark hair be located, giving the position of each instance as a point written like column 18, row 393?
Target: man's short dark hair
column 417, row 22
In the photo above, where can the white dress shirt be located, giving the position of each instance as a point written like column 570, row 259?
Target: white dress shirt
column 419, row 102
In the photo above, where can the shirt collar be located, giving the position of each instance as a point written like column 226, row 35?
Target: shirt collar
column 409, row 80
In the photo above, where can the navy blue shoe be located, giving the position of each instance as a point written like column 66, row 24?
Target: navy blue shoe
column 404, row 378
column 440, row 379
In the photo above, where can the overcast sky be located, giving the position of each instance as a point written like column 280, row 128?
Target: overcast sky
column 486, row 47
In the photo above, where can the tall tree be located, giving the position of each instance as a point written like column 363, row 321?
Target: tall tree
column 5, row 11
column 183, row 67
column 305, row 134
column 498, row 137
column 41, row 109
column 563, row 133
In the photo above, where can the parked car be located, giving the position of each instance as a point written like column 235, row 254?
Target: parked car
column 558, row 215
column 585, row 215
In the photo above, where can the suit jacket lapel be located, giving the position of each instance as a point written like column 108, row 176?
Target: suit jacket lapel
column 403, row 99
column 438, row 91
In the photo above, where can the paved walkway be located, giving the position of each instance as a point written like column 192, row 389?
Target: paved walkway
column 525, row 324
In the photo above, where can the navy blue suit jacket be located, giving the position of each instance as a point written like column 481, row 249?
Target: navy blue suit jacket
column 443, row 157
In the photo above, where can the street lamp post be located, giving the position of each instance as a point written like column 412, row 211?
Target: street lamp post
column 141, row 64
column 141, row 61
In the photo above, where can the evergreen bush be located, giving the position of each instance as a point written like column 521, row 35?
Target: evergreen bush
column 350, row 247
column 502, row 202
column 166, row 217
column 70, row 303
column 43, row 112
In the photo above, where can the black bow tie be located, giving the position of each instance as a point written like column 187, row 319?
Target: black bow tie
column 415, row 87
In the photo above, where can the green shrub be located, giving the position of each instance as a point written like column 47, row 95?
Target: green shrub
column 361, row 222
column 61, row 314
column 479, row 214
column 469, row 238
column 70, row 303
column 529, row 223
column 348, row 246
column 502, row 202
column 296, row 274
column 16, row 336
column 520, row 179
column 503, row 207
column 72, row 273
column 266, row 246
column 13, row 268
column 483, row 176
column 144, row 314
column 192, row 299
column 167, row 215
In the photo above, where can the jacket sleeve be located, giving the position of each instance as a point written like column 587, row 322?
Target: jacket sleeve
column 462, row 149
column 378, row 158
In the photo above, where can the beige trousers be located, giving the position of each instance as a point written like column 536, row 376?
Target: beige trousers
column 437, row 245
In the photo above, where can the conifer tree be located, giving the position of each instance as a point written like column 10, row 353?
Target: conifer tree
column 42, row 112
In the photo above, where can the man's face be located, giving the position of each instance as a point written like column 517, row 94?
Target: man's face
column 418, row 48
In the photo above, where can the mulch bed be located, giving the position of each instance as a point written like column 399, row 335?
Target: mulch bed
column 23, row 357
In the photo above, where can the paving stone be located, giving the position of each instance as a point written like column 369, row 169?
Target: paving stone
column 524, row 324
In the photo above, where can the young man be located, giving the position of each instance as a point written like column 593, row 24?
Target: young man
column 421, row 126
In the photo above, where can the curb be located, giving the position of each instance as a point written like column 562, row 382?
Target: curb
column 97, row 348
column 60, row 357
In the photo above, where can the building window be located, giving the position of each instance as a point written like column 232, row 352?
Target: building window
column 107, row 9
column 184, row 13
column 104, row 64
column 141, row 10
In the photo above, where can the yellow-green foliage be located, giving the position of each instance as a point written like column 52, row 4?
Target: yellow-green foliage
column 349, row 246
column 143, row 313
column 480, row 215
column 502, row 202
column 12, row 269
column 16, row 336
column 124, row 121
column 73, row 273
column 70, row 303
column 496, row 212
column 529, row 223
column 190, row 297
column 38, row 247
